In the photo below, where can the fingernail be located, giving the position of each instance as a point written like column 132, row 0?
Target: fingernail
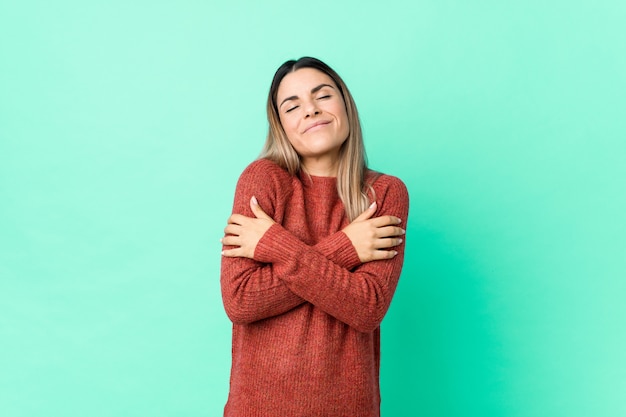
column 395, row 252
column 221, row 240
column 372, row 205
column 399, row 220
column 403, row 231
column 254, row 201
column 399, row 241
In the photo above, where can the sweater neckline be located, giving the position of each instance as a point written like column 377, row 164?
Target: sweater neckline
column 322, row 186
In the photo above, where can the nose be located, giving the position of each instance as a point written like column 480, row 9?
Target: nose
column 311, row 109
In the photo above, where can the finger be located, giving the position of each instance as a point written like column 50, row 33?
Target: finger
column 257, row 210
column 231, row 241
column 233, row 253
column 367, row 213
column 232, row 229
column 384, row 254
column 390, row 231
column 237, row 219
column 387, row 243
column 386, row 221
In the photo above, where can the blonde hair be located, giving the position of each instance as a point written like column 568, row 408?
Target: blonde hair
column 352, row 168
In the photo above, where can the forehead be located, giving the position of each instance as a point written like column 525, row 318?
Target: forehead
column 301, row 82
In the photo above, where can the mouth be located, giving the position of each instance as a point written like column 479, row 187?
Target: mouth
column 316, row 124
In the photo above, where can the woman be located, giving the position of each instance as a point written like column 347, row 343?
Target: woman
column 312, row 257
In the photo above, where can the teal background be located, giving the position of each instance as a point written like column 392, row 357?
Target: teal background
column 124, row 127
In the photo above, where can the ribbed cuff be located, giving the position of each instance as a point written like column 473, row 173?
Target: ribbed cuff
column 277, row 245
column 339, row 248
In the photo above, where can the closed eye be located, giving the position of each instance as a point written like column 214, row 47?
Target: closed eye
column 326, row 96
column 291, row 108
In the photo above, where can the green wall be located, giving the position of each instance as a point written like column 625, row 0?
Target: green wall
column 124, row 127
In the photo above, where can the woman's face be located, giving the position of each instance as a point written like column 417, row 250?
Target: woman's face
column 313, row 115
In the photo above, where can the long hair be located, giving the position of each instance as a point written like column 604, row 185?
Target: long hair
column 352, row 167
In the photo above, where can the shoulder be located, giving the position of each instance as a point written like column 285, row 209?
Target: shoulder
column 384, row 183
column 390, row 193
column 267, row 181
column 265, row 167
column 263, row 171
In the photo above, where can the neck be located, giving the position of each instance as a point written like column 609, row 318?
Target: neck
column 321, row 167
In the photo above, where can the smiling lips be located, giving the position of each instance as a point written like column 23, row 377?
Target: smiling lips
column 320, row 123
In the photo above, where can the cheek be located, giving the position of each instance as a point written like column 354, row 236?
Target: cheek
column 345, row 125
column 290, row 127
column 341, row 112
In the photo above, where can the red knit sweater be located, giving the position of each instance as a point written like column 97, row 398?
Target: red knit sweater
column 306, row 312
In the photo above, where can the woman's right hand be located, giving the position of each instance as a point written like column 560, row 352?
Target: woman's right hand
column 370, row 237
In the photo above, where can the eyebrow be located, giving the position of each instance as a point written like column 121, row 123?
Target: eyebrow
column 313, row 91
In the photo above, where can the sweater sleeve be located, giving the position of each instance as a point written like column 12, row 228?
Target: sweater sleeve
column 359, row 298
column 339, row 249
column 251, row 290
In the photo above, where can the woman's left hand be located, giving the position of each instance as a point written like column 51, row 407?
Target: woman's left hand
column 245, row 232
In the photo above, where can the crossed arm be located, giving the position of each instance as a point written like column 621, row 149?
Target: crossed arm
column 351, row 274
column 370, row 237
